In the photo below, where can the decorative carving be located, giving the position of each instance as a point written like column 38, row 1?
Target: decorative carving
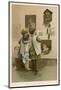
column 47, row 15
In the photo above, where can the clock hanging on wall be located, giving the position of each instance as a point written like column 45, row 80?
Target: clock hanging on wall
column 47, row 16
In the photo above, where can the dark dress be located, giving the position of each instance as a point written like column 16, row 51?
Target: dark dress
column 33, row 56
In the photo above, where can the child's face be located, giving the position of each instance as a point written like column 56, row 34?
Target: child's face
column 32, row 28
column 26, row 36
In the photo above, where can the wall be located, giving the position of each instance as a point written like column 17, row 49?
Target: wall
column 18, row 22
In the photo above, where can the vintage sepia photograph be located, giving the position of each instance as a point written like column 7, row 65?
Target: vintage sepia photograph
column 33, row 44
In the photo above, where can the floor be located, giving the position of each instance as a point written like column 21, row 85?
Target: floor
column 47, row 70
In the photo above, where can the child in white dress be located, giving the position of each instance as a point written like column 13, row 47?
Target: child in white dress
column 24, row 48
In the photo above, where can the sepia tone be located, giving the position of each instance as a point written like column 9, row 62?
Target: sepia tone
column 47, row 64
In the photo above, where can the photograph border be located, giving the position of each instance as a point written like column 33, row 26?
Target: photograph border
column 9, row 44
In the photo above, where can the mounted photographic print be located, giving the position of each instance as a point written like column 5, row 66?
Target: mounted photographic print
column 33, row 44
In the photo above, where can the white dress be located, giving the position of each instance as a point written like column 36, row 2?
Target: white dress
column 35, row 47
column 24, row 51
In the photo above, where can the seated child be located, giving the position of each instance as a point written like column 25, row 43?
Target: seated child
column 24, row 48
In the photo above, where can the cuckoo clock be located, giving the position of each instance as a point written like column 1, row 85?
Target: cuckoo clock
column 47, row 15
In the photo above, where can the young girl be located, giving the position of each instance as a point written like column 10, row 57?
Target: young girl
column 35, row 47
column 24, row 48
